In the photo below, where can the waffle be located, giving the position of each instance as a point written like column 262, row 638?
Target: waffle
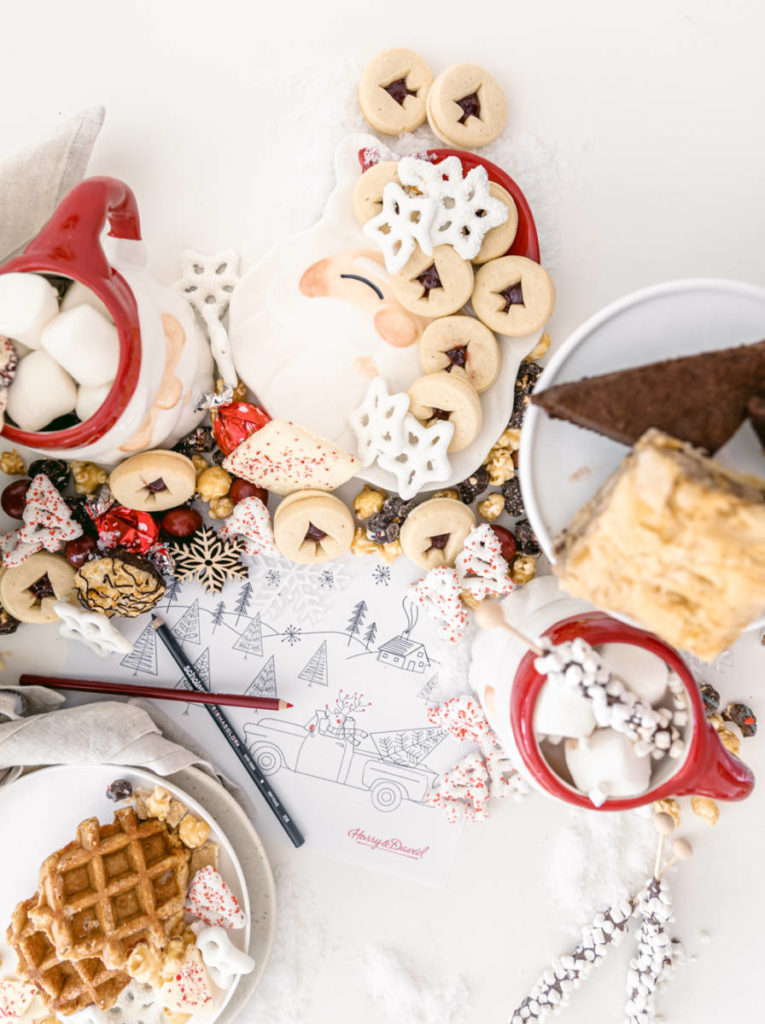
column 65, row 985
column 115, row 886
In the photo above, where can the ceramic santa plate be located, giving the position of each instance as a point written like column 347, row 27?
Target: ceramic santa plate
column 562, row 466
column 48, row 804
column 308, row 334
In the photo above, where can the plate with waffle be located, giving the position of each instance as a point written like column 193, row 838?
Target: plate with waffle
column 124, row 902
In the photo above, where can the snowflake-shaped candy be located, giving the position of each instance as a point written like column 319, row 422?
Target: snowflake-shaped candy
column 466, row 210
column 378, row 423
column 209, row 559
column 480, row 565
column 404, row 222
column 250, row 521
column 91, row 628
column 48, row 524
column 423, row 458
column 207, row 283
column 439, row 594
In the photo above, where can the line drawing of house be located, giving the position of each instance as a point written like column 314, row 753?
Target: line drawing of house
column 401, row 651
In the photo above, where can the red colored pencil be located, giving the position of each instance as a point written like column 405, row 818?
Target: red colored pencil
column 236, row 700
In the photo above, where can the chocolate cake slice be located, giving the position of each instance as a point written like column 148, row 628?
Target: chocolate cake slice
column 699, row 399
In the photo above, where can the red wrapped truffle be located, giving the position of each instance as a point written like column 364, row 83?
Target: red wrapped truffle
column 121, row 527
column 233, row 423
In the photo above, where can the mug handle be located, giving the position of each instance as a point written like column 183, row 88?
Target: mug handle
column 717, row 773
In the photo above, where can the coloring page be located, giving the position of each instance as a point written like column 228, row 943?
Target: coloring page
column 354, row 758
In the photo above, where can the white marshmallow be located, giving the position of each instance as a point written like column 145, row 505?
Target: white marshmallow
column 78, row 294
column 85, row 344
column 641, row 671
column 27, row 303
column 607, row 762
column 562, row 712
column 40, row 392
column 89, row 400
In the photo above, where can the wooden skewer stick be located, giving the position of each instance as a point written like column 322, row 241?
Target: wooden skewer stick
column 681, row 850
column 488, row 615
column 665, row 825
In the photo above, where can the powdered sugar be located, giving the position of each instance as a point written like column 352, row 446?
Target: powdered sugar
column 406, row 995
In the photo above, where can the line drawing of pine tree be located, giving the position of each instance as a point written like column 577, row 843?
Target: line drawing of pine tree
column 186, row 629
column 356, row 621
column 202, row 665
column 173, row 589
column 264, row 683
column 143, row 657
column 315, row 669
column 251, row 640
column 370, row 635
column 427, row 691
column 218, row 616
column 244, row 597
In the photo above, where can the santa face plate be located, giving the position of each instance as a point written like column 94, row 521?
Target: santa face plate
column 316, row 320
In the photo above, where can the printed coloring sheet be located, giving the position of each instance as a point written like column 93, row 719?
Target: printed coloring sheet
column 355, row 756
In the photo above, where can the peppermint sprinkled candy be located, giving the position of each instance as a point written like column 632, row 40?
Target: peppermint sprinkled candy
column 251, row 522
column 15, row 997
column 439, row 594
column 578, row 667
column 211, row 900
column 654, row 957
column 480, row 566
column 48, row 524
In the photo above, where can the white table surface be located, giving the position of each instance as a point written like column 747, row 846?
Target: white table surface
column 653, row 113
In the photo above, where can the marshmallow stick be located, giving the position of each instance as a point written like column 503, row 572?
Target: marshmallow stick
column 654, row 953
column 681, row 850
column 488, row 615
column 665, row 826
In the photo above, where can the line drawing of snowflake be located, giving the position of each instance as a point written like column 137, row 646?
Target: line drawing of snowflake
column 381, row 575
column 292, row 635
column 295, row 590
column 273, row 578
column 327, row 579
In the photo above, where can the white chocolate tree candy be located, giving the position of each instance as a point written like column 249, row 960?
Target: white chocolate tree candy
column 85, row 344
column 605, row 765
column 90, row 400
column 561, row 712
column 27, row 303
column 40, row 392
column 78, row 294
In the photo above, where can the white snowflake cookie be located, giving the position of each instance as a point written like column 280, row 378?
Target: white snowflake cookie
column 404, row 222
column 90, row 628
column 378, row 423
column 423, row 458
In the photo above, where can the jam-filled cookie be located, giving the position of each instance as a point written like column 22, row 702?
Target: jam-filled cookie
column 466, row 106
column 121, row 584
column 393, row 89
column 29, row 591
column 153, row 481
column 433, row 286
column 442, row 396
column 312, row 526
column 434, row 533
column 368, row 192
column 498, row 240
column 463, row 346
column 514, row 296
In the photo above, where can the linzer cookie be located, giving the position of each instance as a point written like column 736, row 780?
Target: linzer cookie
column 283, row 458
column 435, row 532
column 153, row 481
column 442, row 396
column 368, row 193
column 433, row 286
column 392, row 91
column 29, row 591
column 514, row 296
column 463, row 346
column 121, row 584
column 498, row 240
column 311, row 527
column 466, row 106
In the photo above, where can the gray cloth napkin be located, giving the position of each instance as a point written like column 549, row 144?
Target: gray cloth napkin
column 34, row 181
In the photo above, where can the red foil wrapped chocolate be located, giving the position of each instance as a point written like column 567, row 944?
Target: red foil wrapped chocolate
column 121, row 527
column 235, row 422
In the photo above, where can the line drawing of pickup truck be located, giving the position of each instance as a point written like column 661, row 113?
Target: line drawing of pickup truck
column 338, row 755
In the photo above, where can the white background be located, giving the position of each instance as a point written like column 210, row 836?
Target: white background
column 653, row 112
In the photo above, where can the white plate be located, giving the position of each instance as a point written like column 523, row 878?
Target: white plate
column 47, row 805
column 562, row 466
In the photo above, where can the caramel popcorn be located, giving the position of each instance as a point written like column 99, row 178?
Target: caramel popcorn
column 500, row 466
column 450, row 492
column 203, row 856
column 705, row 808
column 140, row 802
column 467, row 598
column 12, row 464
column 362, row 545
column 524, row 568
column 175, row 814
column 175, row 1016
column 729, row 740
column 368, row 502
column 220, row 508
column 240, row 390
column 193, row 831
column 540, row 348
column 492, row 507
column 390, row 552
column 509, row 438
column 145, row 965
column 213, row 482
column 88, row 477
column 158, row 803
column 668, row 806
column 200, row 464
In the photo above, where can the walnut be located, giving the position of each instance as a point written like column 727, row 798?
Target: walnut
column 175, row 813
column 213, row 482
column 539, row 349
column 468, row 599
column 368, row 502
column 362, row 545
column 729, row 740
column 705, row 808
column 668, row 806
column 450, row 492
column 390, row 552
column 140, row 802
column 145, row 965
column 500, row 466
column 12, row 464
column 193, row 831
column 88, row 477
column 509, row 438
column 200, row 464
column 492, row 507
column 220, row 508
column 524, row 569
column 158, row 804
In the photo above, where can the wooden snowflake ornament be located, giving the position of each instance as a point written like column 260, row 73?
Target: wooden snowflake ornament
column 404, row 222
column 209, row 559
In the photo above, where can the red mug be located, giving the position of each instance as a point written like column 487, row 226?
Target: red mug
column 707, row 768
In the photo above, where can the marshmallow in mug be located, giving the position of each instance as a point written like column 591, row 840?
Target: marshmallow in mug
column 78, row 294
column 85, row 344
column 605, row 765
column 40, row 392
column 27, row 303
column 90, row 400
